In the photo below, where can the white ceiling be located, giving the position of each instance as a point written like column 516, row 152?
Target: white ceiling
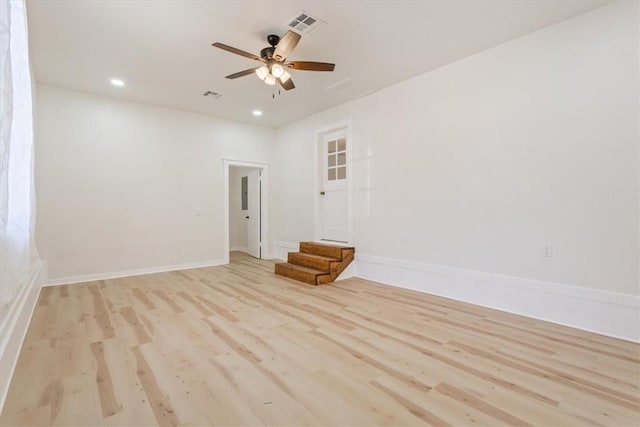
column 162, row 49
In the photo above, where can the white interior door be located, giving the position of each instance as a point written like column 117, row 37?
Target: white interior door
column 334, row 195
column 253, row 213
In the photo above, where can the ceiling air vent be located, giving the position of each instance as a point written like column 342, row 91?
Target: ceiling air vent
column 213, row 94
column 305, row 24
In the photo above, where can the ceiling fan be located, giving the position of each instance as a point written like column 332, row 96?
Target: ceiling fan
column 274, row 68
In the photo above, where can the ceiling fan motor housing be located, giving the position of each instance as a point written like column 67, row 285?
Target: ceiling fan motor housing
column 267, row 52
column 273, row 39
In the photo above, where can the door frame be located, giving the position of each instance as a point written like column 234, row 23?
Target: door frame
column 264, row 179
column 344, row 125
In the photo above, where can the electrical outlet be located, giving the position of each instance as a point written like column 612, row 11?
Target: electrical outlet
column 547, row 251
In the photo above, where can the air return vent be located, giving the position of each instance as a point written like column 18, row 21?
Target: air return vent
column 305, row 23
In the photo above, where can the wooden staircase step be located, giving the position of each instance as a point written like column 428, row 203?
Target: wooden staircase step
column 324, row 249
column 298, row 272
column 317, row 262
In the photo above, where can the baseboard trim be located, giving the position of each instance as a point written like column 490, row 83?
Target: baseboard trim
column 612, row 314
column 281, row 249
column 239, row 249
column 608, row 313
column 13, row 329
column 128, row 273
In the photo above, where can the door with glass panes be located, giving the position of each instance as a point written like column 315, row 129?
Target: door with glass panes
column 334, row 188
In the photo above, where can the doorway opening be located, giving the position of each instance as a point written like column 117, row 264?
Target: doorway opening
column 245, row 208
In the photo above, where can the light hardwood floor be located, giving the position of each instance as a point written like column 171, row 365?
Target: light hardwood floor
column 237, row 345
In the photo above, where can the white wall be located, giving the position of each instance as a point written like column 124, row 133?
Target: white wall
column 238, row 234
column 479, row 164
column 124, row 186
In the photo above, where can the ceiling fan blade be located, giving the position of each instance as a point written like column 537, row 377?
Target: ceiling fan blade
column 310, row 66
column 287, row 43
column 236, row 51
column 287, row 84
column 242, row 73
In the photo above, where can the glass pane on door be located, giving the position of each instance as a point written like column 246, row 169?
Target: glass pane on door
column 331, row 147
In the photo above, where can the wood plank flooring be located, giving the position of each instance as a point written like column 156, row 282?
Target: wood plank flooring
column 237, row 345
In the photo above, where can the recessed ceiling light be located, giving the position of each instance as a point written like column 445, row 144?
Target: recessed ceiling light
column 257, row 113
column 117, row 82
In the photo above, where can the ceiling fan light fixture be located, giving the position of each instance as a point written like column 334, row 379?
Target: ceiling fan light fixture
column 285, row 76
column 270, row 80
column 277, row 70
column 262, row 72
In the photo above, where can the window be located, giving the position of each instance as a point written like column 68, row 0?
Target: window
column 18, row 255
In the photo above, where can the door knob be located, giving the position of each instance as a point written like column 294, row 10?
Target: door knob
column 247, row 217
column 322, row 193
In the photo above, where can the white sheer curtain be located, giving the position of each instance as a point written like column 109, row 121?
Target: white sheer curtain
column 18, row 255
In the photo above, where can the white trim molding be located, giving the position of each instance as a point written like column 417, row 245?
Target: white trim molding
column 238, row 249
column 607, row 313
column 281, row 249
column 13, row 329
column 137, row 272
column 264, row 206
